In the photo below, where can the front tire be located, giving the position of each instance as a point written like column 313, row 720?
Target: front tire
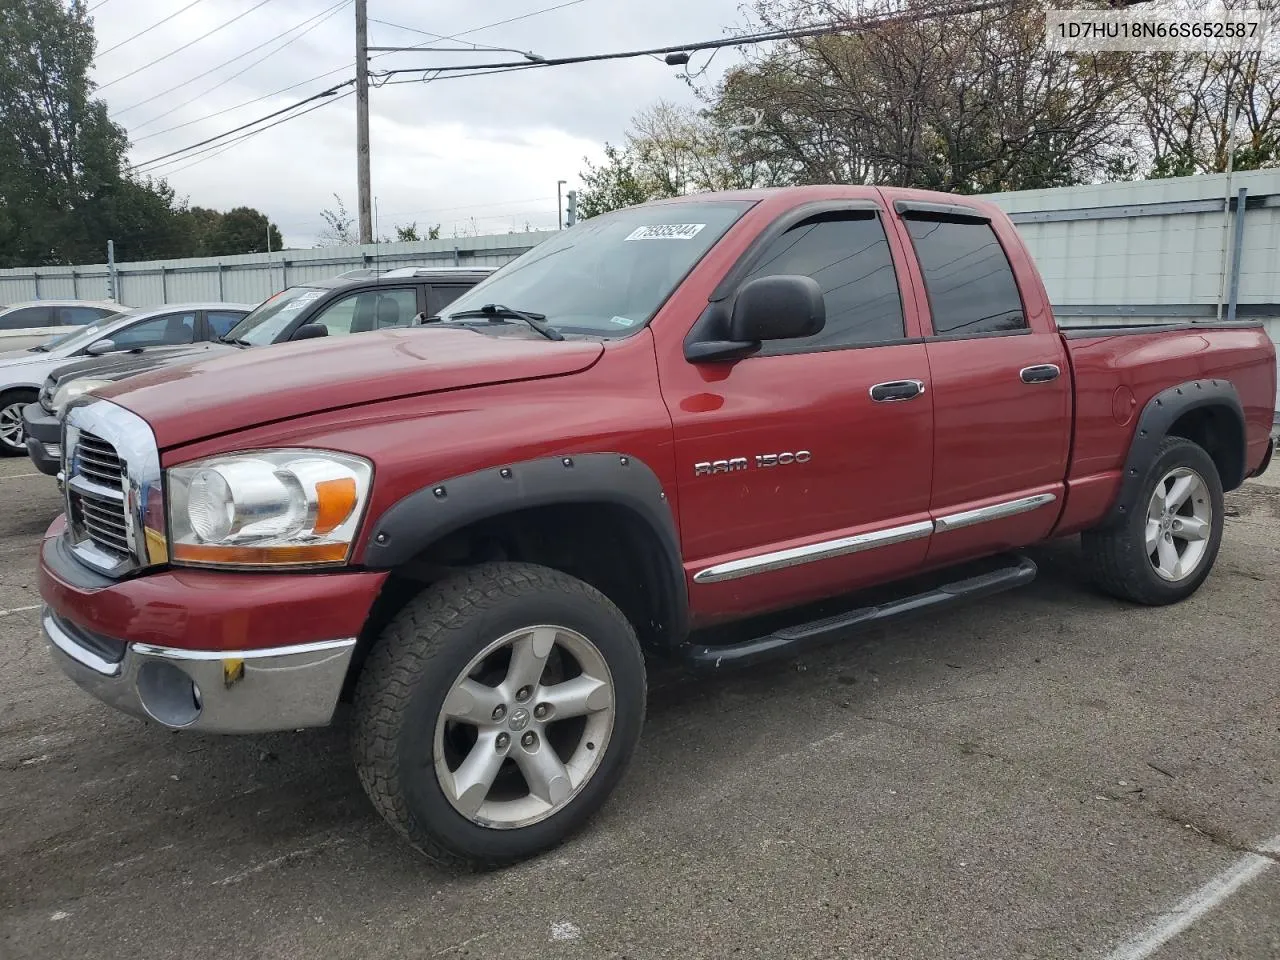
column 12, row 441
column 497, row 712
column 1164, row 550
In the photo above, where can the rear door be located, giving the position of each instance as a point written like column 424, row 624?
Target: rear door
column 800, row 474
column 1001, row 386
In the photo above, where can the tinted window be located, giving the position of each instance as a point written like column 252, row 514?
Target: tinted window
column 442, row 296
column 222, row 321
column 27, row 317
column 849, row 257
column 967, row 276
column 171, row 329
column 371, row 310
column 79, row 316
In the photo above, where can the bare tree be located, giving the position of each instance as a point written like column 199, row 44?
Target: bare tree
column 338, row 224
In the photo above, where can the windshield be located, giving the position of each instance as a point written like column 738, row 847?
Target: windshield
column 82, row 336
column 270, row 318
column 607, row 276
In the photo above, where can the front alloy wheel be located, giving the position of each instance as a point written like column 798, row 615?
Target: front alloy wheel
column 12, row 442
column 497, row 711
column 512, row 753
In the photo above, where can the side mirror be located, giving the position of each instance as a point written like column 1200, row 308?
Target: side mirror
column 767, row 308
column 99, row 347
column 309, row 331
column 777, row 308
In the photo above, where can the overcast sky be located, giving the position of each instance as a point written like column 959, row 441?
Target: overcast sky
column 491, row 148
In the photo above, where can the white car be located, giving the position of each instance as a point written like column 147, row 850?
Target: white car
column 32, row 322
column 22, row 372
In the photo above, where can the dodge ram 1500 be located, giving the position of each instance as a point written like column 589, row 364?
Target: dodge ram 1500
column 666, row 420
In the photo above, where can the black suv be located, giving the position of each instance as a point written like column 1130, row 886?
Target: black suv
column 323, row 308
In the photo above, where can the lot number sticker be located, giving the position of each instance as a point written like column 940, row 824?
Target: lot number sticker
column 666, row 231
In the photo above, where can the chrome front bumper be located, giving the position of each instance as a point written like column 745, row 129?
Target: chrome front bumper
column 247, row 691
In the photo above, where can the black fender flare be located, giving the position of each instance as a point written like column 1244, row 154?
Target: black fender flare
column 1160, row 413
column 425, row 516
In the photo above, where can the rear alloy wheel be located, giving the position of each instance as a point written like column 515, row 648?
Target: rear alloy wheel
column 497, row 711
column 1161, row 554
column 1179, row 521
column 12, row 441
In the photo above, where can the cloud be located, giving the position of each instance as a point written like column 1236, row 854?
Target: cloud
column 488, row 148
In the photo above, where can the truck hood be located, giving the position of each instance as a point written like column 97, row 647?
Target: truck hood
column 246, row 388
column 117, row 366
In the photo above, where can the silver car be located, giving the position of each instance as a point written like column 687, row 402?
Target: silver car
column 23, row 371
column 34, row 321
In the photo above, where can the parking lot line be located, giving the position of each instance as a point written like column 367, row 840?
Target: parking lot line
column 19, row 476
column 5, row 613
column 1192, row 908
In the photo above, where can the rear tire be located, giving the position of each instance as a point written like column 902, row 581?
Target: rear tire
column 497, row 712
column 12, row 441
column 1163, row 550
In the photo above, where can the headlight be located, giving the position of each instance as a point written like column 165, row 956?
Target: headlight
column 267, row 508
column 72, row 389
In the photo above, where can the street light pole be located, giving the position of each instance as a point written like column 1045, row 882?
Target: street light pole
column 559, row 205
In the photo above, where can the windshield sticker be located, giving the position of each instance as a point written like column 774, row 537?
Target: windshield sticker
column 666, row 231
column 300, row 301
column 622, row 321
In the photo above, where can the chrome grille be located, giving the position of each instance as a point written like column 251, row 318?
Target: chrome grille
column 98, row 461
column 115, row 499
column 95, row 496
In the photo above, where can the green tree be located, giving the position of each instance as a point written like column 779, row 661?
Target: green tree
column 241, row 230
column 60, row 155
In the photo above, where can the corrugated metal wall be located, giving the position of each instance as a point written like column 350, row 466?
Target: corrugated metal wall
column 253, row 277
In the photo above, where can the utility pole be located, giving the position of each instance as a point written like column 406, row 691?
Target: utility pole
column 559, row 205
column 365, row 189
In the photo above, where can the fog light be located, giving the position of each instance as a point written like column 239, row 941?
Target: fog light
column 168, row 695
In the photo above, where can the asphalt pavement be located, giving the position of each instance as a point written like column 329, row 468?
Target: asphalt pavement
column 1046, row 773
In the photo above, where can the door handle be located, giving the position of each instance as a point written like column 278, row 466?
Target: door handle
column 894, row 390
column 1041, row 373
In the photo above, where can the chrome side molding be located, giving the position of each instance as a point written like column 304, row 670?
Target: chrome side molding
column 827, row 549
column 780, row 559
column 997, row 511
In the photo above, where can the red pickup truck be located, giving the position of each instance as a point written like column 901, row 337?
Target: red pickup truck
column 700, row 428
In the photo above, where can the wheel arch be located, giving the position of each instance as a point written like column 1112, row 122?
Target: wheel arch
column 1206, row 412
column 603, row 517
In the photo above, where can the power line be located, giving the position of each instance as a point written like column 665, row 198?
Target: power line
column 323, row 16
column 178, row 86
column 744, row 40
column 190, row 43
column 158, row 23
column 97, row 5
column 223, row 148
column 265, row 96
column 487, row 26
column 244, row 126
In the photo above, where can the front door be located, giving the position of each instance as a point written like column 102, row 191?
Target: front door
column 804, row 470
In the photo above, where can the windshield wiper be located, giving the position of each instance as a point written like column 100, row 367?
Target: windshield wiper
column 497, row 312
column 236, row 341
column 40, row 348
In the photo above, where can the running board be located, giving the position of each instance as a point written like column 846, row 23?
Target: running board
column 788, row 641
